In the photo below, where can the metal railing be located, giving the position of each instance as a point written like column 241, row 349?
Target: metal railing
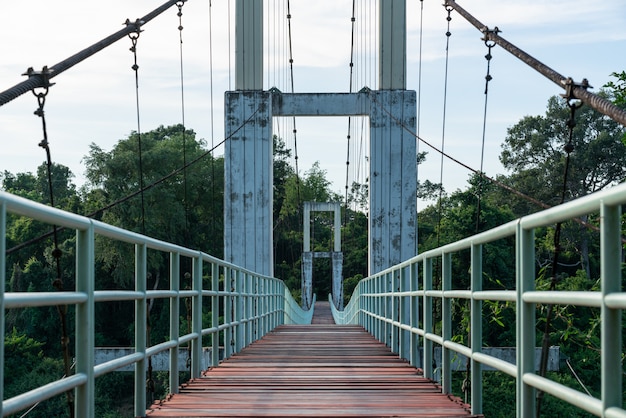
column 244, row 306
column 387, row 304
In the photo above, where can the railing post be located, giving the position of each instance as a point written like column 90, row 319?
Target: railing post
column 415, row 315
column 525, row 320
column 174, row 319
column 196, row 314
column 248, row 313
column 428, row 318
column 85, row 317
column 405, row 314
column 446, row 323
column 611, row 282
column 239, row 308
column 228, row 314
column 280, row 287
column 215, row 314
column 476, row 329
column 386, row 308
column 140, row 329
column 258, row 322
column 269, row 304
column 278, row 304
column 363, row 305
column 374, row 289
column 378, row 285
column 392, row 311
column 371, row 306
column 262, row 306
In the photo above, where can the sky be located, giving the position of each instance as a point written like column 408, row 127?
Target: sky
column 94, row 102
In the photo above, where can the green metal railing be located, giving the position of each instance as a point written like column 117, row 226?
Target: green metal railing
column 388, row 305
column 251, row 306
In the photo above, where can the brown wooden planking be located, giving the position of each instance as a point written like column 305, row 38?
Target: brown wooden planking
column 312, row 370
column 322, row 313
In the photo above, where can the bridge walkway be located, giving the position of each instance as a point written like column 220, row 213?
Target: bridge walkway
column 320, row 369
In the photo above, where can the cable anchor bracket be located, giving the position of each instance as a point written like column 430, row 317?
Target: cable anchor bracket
column 179, row 5
column 134, row 35
column 44, row 75
column 488, row 35
column 570, row 86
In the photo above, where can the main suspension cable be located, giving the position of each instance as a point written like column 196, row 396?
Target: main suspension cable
column 578, row 91
column 36, row 80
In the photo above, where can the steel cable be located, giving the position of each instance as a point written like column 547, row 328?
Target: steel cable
column 36, row 80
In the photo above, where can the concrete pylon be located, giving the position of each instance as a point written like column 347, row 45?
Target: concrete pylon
column 335, row 255
column 392, row 112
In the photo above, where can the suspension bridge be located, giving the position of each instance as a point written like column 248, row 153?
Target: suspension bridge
column 375, row 357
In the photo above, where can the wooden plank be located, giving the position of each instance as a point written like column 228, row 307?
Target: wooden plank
column 312, row 370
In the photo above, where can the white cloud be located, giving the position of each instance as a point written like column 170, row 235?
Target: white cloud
column 94, row 102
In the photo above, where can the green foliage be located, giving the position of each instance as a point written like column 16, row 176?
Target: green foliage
column 499, row 397
column 533, row 151
column 349, row 284
column 618, row 88
column 114, row 395
column 26, row 367
column 290, row 193
column 186, row 207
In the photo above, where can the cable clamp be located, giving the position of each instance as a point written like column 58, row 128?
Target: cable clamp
column 45, row 74
column 570, row 85
column 137, row 30
column 487, row 36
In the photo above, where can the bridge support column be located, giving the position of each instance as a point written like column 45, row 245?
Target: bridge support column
column 248, row 183
column 337, row 266
column 393, row 179
column 307, row 279
column 393, row 162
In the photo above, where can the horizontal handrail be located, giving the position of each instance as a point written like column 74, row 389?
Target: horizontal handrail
column 252, row 305
column 27, row 399
column 389, row 304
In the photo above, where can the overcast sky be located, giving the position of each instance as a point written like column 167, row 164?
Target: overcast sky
column 94, row 102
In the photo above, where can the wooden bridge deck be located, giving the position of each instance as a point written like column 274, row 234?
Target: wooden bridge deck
column 312, row 370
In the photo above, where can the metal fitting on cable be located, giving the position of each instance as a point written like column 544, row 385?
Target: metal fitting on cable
column 487, row 32
column 45, row 74
column 570, row 85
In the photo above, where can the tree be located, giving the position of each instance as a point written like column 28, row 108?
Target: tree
column 182, row 203
column 28, row 367
column 618, row 88
column 535, row 151
column 178, row 204
column 459, row 219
